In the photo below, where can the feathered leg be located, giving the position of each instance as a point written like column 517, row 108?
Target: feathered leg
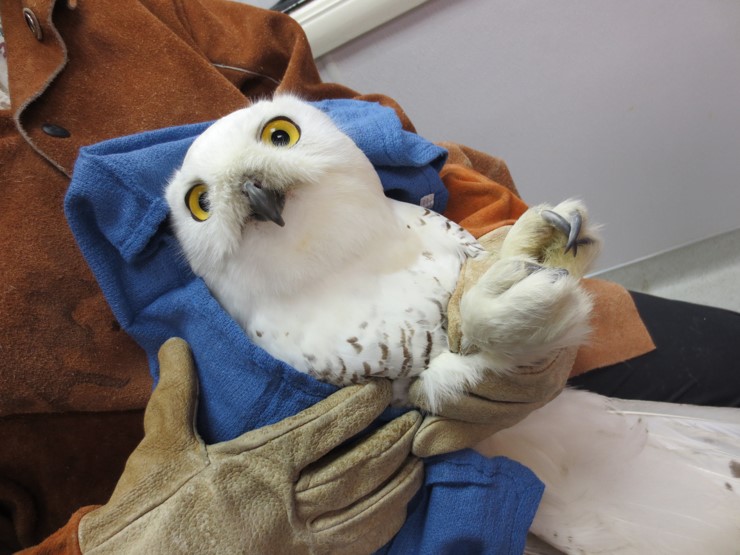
column 526, row 306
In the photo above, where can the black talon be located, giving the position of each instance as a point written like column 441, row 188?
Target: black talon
column 556, row 221
column 571, row 229
column 558, row 273
column 531, row 267
column 575, row 230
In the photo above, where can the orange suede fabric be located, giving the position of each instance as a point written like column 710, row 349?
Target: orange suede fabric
column 477, row 203
column 65, row 540
column 488, row 166
column 618, row 333
column 51, row 464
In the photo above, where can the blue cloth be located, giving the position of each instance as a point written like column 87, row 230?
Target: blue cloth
column 116, row 210
column 469, row 504
column 408, row 165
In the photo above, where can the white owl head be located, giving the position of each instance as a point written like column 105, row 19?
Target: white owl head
column 262, row 178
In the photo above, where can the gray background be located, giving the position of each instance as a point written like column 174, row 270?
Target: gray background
column 632, row 105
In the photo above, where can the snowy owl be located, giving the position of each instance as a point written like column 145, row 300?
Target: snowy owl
column 285, row 220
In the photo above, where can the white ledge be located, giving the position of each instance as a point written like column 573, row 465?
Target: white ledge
column 331, row 23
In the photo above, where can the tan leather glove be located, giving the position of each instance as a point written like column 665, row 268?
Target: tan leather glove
column 500, row 401
column 285, row 488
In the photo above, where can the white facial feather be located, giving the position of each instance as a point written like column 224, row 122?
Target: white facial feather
column 328, row 183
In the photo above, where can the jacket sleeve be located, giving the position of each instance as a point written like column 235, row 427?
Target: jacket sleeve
column 64, row 541
column 256, row 49
column 259, row 51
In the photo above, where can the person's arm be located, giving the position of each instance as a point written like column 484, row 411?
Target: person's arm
column 284, row 488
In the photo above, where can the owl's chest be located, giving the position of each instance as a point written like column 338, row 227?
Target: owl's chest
column 356, row 326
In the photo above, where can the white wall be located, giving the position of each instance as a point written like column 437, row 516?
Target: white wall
column 633, row 105
column 260, row 3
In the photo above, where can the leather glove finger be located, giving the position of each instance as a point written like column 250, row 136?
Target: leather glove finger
column 341, row 479
column 170, row 453
column 170, row 413
column 439, row 435
column 169, row 418
column 499, row 393
column 375, row 519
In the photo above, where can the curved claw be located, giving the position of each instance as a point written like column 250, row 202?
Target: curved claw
column 575, row 230
column 572, row 229
column 556, row 221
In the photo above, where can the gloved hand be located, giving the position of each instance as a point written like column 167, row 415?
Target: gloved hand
column 500, row 400
column 285, row 488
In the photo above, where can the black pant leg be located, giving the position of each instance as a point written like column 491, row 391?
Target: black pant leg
column 697, row 360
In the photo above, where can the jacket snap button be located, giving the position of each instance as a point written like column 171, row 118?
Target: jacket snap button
column 33, row 23
column 55, row 131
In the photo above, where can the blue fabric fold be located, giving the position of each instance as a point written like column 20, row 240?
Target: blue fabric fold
column 469, row 504
column 116, row 210
column 407, row 164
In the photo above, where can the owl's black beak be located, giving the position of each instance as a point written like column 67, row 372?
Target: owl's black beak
column 266, row 204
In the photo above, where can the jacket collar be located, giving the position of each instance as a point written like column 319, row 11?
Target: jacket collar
column 32, row 62
column 34, row 58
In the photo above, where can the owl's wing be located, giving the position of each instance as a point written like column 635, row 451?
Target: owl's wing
column 630, row 476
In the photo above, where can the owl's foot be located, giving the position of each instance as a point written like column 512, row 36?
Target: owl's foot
column 528, row 305
column 521, row 312
column 529, row 320
column 570, row 227
column 559, row 237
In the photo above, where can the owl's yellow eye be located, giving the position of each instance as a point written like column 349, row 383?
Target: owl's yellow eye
column 280, row 132
column 196, row 199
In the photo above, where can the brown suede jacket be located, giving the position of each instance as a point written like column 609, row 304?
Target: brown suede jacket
column 73, row 385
